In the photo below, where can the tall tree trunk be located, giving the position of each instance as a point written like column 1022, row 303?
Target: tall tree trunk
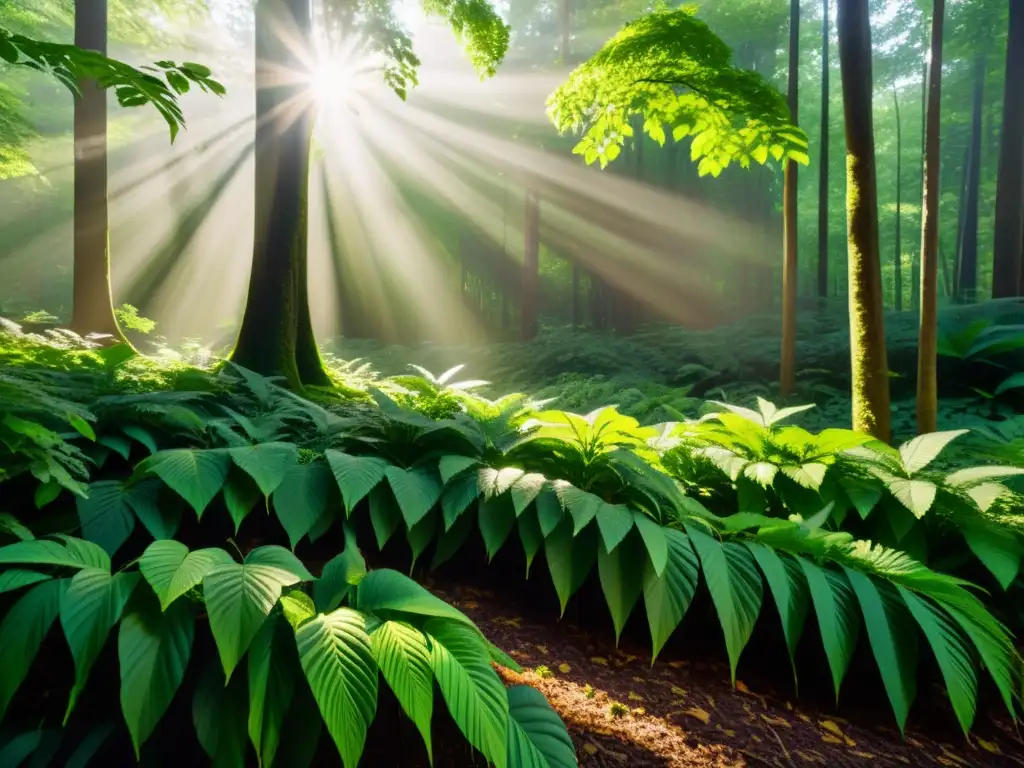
column 915, row 269
column 927, row 337
column 898, row 253
column 1007, row 274
column 968, row 276
column 790, row 275
column 958, row 244
column 869, row 368
column 276, row 335
column 531, row 266
column 93, row 307
column 823, row 162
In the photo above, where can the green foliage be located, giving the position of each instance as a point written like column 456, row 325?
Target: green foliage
column 669, row 69
column 129, row 319
column 160, row 84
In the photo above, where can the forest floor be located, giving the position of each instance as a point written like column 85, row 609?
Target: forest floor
column 685, row 713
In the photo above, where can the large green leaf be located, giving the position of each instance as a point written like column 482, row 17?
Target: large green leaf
column 453, row 465
column 473, row 692
column 621, row 575
column 416, row 491
column 241, row 495
column 789, row 588
column 582, row 505
column 998, row 548
column 892, row 637
column 161, row 516
column 451, row 541
column 337, row 658
column 172, row 570
column 300, row 734
column 219, row 717
column 525, row 490
column 16, row 578
column 950, row 646
column 266, row 463
column 495, row 516
column 278, row 557
column 403, row 656
column 342, row 572
column 238, row 600
column 916, row 495
column 153, row 649
column 390, row 594
column 356, row 475
column 655, row 540
column 47, row 552
column 195, row 475
column 918, row 453
column 569, row 558
column 668, row 596
column 384, row 514
column 536, row 734
column 614, row 521
column 530, row 536
column 838, row 619
column 272, row 667
column 21, row 633
column 457, row 497
column 105, row 515
column 735, row 586
column 301, row 498
column 549, row 511
column 89, row 609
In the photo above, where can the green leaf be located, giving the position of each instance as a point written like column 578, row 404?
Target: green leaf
column 106, row 517
column 240, row 496
column 266, row 463
column 153, row 649
column 160, row 516
column 9, row 524
column 238, row 600
column 918, row 453
column 416, row 491
column 788, row 587
column 569, row 559
column 735, row 586
column 342, row 572
column 338, row 661
column 530, row 536
column 668, row 595
column 525, row 490
column 496, row 516
column 142, row 436
column 621, row 575
column 404, row 659
column 457, row 497
column 614, row 521
column 300, row 734
column 473, row 692
column 583, row 506
column 838, row 619
column 195, row 475
column 81, row 426
column 384, row 514
column 806, row 475
column 385, row 591
column 24, row 627
column 301, row 498
column 549, row 511
column 16, row 578
column 964, row 478
column 356, row 475
column 451, row 465
column 90, row 745
column 452, row 540
column 863, row 495
column 278, row 557
column 272, row 665
column 999, row 549
column 537, row 737
column 495, row 482
column 89, row 609
column 949, row 645
column 916, row 495
column 46, row 552
column 219, row 717
column 172, row 570
column 892, row 637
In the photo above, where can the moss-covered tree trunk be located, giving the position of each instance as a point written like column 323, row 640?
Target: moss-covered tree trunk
column 790, row 275
column 92, row 307
column 1007, row 274
column 927, row 335
column 823, row 169
column 869, row 368
column 276, row 335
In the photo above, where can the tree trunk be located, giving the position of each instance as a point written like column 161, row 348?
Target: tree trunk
column 823, row 167
column 276, row 335
column 898, row 253
column 869, row 368
column 790, row 275
column 927, row 337
column 92, row 303
column 1007, row 275
column 968, row 276
column 915, row 269
column 958, row 244
column 531, row 266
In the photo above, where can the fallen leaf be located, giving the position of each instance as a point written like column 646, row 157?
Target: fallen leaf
column 775, row 721
column 700, row 714
column 470, row 605
column 741, row 687
column 638, row 711
column 677, row 664
column 828, row 738
column 589, row 748
column 599, row 660
column 809, row 757
column 988, row 746
column 634, row 696
column 543, row 649
column 678, row 691
column 564, row 668
column 831, row 727
column 865, row 755
column 727, row 731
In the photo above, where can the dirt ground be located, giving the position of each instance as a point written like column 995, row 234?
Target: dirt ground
column 622, row 711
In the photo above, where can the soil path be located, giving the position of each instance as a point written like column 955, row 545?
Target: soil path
column 621, row 711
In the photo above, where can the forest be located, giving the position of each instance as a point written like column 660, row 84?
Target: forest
column 535, row 383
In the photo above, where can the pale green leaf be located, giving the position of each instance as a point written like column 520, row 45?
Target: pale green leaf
column 402, row 654
column 537, row 737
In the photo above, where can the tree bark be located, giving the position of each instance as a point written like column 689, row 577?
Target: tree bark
column 915, row 269
column 276, row 335
column 927, row 337
column 1007, row 275
column 92, row 303
column 968, row 277
column 790, row 275
column 823, row 163
column 898, row 253
column 531, row 266
column 868, row 364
